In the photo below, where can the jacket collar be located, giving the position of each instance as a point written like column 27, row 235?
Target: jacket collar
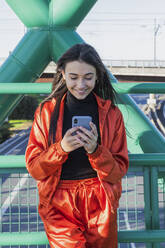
column 103, row 104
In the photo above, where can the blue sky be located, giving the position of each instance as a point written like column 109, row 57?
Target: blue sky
column 119, row 29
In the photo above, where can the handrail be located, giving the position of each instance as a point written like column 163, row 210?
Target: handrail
column 23, row 238
column 138, row 63
column 151, row 160
column 25, row 88
column 134, row 63
column 128, row 88
column 45, row 88
column 33, row 238
column 146, row 159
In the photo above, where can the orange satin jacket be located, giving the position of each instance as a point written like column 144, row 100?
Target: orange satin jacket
column 110, row 160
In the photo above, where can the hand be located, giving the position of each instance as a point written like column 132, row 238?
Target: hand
column 71, row 142
column 88, row 139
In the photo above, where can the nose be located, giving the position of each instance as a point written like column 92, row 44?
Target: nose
column 81, row 83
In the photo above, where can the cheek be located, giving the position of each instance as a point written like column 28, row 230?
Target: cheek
column 69, row 83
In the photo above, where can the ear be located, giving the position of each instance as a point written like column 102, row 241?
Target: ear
column 63, row 74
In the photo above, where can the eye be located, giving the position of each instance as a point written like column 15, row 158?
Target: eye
column 73, row 78
column 88, row 78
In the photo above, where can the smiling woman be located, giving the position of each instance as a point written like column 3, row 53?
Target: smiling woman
column 78, row 169
column 80, row 78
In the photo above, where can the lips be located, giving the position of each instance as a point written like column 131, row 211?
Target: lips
column 81, row 92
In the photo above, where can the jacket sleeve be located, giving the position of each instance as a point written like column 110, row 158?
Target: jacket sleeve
column 112, row 163
column 41, row 160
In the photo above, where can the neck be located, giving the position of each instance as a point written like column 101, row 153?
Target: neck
column 74, row 104
column 73, row 98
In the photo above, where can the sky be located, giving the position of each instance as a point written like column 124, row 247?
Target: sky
column 118, row 29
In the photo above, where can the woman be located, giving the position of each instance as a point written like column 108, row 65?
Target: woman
column 79, row 171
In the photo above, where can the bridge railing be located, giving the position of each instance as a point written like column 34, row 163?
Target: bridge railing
column 135, row 63
column 125, row 63
column 45, row 88
column 149, row 168
column 142, row 202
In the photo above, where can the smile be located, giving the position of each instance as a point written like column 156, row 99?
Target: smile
column 81, row 92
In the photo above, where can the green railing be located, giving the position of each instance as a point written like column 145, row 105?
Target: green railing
column 150, row 166
column 45, row 88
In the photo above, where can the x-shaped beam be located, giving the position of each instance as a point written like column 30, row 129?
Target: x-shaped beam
column 51, row 30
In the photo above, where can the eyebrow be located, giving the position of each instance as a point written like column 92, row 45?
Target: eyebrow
column 74, row 74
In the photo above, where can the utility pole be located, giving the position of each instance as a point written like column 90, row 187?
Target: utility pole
column 156, row 29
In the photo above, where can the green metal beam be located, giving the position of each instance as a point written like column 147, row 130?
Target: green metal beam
column 39, row 238
column 12, row 161
column 138, row 88
column 25, row 88
column 149, row 160
column 50, row 13
column 68, row 13
column 142, row 135
column 24, row 238
column 41, row 88
column 154, row 198
column 33, row 13
column 62, row 40
column 47, row 38
column 147, row 198
column 26, row 63
column 143, row 236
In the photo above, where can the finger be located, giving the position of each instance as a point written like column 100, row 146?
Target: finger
column 88, row 134
column 71, row 131
column 85, row 131
column 80, row 141
column 84, row 138
column 93, row 127
column 78, row 145
column 72, row 140
column 75, row 144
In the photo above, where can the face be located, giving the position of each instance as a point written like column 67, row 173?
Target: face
column 80, row 78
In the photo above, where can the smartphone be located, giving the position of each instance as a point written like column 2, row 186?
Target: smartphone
column 82, row 121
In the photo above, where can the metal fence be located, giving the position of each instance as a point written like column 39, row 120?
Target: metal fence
column 135, row 63
column 141, row 209
column 123, row 63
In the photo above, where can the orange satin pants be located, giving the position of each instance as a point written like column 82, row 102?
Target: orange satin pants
column 80, row 216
